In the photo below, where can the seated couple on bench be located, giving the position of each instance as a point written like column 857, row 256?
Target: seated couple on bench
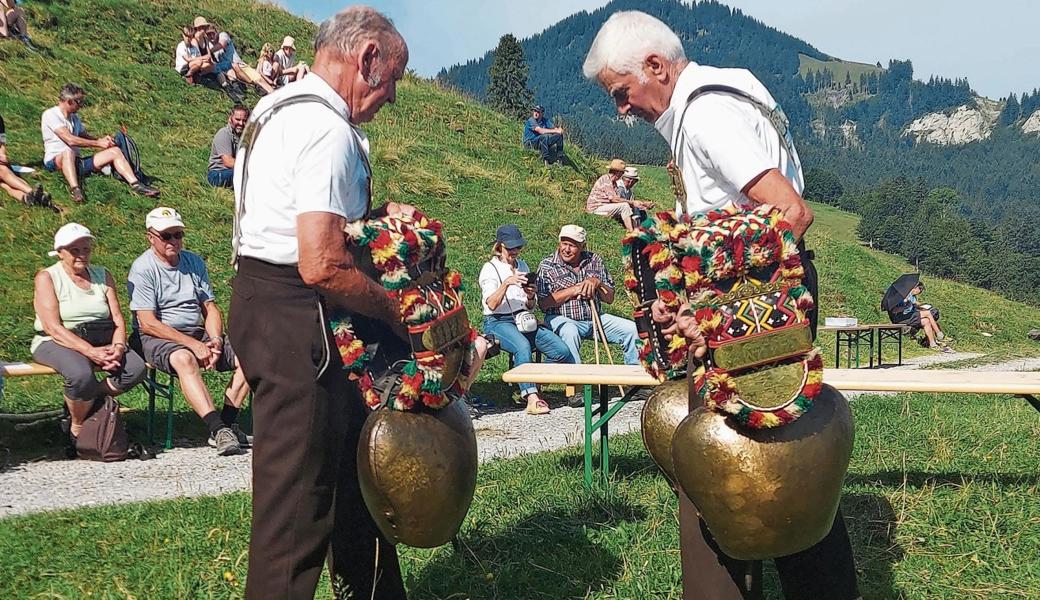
column 913, row 314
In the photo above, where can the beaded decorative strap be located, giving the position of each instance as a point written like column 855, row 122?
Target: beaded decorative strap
column 740, row 271
column 408, row 253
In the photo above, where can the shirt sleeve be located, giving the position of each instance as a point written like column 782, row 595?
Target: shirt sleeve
column 330, row 176
column 543, row 280
column 488, row 280
column 140, row 285
column 222, row 143
column 204, row 290
column 723, row 137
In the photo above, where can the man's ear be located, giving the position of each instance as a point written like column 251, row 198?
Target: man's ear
column 656, row 67
column 367, row 59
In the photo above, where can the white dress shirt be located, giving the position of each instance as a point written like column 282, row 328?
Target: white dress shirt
column 305, row 159
column 725, row 141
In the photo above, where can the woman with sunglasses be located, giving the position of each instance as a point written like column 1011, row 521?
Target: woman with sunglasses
column 79, row 325
column 508, row 297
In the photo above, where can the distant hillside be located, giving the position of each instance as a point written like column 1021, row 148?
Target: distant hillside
column 862, row 123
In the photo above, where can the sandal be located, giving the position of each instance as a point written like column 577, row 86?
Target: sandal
column 539, row 407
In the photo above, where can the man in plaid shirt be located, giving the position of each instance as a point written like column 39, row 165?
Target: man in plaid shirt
column 570, row 281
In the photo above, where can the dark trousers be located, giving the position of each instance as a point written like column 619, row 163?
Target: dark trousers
column 307, row 418
column 550, row 145
column 826, row 571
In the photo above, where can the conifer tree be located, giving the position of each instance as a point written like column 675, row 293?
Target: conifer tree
column 508, row 92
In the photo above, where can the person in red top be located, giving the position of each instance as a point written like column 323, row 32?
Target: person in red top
column 605, row 201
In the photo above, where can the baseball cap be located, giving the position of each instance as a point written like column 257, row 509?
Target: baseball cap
column 163, row 218
column 573, row 232
column 68, row 233
column 510, row 236
column 289, row 42
column 538, row 107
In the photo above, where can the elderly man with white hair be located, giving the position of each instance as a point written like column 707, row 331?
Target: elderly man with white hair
column 730, row 145
column 302, row 173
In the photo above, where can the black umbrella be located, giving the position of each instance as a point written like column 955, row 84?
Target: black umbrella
column 899, row 290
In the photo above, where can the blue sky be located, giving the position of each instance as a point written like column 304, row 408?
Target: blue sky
column 994, row 44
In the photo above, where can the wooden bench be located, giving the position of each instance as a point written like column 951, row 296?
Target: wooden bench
column 1023, row 384
column 853, row 336
column 151, row 383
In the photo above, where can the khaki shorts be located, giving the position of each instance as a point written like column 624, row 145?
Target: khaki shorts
column 251, row 73
column 615, row 210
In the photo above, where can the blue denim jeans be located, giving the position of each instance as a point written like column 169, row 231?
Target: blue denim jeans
column 521, row 345
column 619, row 331
column 549, row 145
column 220, row 177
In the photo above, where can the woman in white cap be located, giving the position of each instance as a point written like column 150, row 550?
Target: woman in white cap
column 286, row 57
column 79, row 325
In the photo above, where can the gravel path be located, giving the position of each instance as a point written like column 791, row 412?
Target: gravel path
column 189, row 472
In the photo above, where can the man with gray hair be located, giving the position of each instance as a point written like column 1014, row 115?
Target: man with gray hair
column 730, row 145
column 302, row 173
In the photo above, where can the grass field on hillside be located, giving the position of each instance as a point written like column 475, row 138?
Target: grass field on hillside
column 941, row 501
column 838, row 68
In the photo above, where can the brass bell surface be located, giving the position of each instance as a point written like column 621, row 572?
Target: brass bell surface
column 417, row 472
column 770, row 492
column 662, row 412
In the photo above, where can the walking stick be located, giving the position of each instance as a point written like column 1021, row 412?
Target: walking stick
column 597, row 330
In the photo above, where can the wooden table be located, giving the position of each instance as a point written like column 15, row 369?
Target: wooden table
column 587, row 376
column 854, row 335
column 1023, row 384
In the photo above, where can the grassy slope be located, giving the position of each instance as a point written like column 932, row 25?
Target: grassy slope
column 838, row 68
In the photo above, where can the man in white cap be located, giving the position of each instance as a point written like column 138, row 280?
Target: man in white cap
column 730, row 145
column 572, row 283
column 286, row 57
column 178, row 327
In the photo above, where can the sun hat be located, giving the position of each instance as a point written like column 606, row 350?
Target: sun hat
column 162, row 218
column 573, row 232
column 616, row 165
column 68, row 233
column 631, row 173
column 510, row 237
column 200, row 22
column 288, row 42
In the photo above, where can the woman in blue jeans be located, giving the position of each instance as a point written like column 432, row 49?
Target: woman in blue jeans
column 507, row 290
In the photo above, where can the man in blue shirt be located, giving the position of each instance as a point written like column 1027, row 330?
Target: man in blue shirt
column 540, row 133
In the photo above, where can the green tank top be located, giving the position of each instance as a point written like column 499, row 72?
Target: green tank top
column 75, row 305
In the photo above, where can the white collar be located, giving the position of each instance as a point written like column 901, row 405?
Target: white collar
column 684, row 85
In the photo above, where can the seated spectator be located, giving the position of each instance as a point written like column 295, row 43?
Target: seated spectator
column 188, row 60
column 225, row 145
column 79, row 326
column 14, row 185
column 269, row 68
column 178, row 327
column 240, row 71
column 572, row 282
column 625, row 185
column 605, row 201
column 542, row 135
column 12, row 22
column 912, row 313
column 286, row 58
column 507, row 289
column 63, row 138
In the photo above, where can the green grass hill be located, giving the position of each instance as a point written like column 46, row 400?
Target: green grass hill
column 454, row 158
column 839, row 68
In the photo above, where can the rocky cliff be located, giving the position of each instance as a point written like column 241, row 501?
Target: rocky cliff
column 966, row 124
